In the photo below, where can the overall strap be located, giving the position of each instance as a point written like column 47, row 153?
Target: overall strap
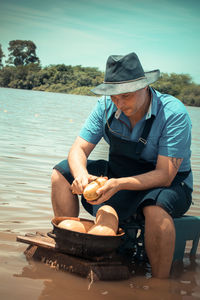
column 143, row 139
column 108, row 123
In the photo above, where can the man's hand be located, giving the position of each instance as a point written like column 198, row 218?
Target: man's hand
column 77, row 159
column 110, row 188
column 80, row 183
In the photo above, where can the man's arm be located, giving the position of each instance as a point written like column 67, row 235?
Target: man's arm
column 163, row 175
column 77, row 160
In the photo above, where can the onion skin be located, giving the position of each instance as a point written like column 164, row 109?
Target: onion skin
column 89, row 192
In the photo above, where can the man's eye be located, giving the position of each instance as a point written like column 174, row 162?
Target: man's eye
column 113, row 98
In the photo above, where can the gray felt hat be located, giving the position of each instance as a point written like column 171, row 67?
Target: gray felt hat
column 124, row 74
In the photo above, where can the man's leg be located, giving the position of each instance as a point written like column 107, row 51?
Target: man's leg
column 159, row 240
column 63, row 201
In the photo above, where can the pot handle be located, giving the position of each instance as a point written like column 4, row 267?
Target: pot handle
column 51, row 235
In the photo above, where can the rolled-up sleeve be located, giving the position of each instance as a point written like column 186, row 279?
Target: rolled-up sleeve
column 92, row 130
column 175, row 140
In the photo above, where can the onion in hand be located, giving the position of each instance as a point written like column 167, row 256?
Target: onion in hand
column 89, row 192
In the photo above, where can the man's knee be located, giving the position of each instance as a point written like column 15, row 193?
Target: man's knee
column 154, row 211
column 157, row 217
column 57, row 177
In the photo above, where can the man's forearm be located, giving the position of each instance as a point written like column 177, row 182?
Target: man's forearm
column 77, row 162
column 152, row 179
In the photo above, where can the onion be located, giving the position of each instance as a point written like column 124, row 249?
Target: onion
column 89, row 192
column 106, row 221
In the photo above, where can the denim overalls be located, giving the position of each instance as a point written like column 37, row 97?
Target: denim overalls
column 125, row 160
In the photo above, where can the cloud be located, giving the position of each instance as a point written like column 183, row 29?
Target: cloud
column 87, row 31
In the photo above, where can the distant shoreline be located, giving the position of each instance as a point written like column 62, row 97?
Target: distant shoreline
column 96, row 96
column 78, row 80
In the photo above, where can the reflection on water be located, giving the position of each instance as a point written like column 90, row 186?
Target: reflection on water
column 58, row 284
column 37, row 130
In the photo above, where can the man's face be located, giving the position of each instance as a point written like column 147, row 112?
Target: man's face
column 130, row 103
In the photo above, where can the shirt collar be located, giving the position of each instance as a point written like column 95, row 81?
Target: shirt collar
column 153, row 104
column 149, row 112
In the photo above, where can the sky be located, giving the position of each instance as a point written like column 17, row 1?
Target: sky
column 165, row 34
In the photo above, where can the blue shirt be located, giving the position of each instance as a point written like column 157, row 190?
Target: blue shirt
column 170, row 134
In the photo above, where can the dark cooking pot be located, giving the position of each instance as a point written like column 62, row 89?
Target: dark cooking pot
column 83, row 244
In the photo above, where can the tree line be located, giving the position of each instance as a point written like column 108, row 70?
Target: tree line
column 23, row 70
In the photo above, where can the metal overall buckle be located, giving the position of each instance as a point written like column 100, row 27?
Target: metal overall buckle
column 142, row 140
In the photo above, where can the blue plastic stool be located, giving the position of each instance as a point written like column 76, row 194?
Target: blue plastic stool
column 187, row 229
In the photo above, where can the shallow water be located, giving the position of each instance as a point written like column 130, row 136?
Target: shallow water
column 37, row 130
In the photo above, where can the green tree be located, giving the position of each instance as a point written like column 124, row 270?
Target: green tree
column 172, row 83
column 1, row 56
column 6, row 75
column 22, row 77
column 191, row 95
column 22, row 53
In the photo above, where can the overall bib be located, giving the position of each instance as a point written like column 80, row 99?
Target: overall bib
column 124, row 161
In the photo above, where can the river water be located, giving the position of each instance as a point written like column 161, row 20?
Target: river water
column 36, row 131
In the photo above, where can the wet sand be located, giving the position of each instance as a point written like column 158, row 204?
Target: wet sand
column 37, row 130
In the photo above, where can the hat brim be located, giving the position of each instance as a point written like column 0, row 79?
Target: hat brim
column 126, row 87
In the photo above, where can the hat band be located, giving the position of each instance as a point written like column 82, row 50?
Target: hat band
column 126, row 81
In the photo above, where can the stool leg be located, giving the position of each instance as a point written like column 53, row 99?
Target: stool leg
column 179, row 250
column 194, row 245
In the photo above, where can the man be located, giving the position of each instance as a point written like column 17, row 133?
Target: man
column 149, row 158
